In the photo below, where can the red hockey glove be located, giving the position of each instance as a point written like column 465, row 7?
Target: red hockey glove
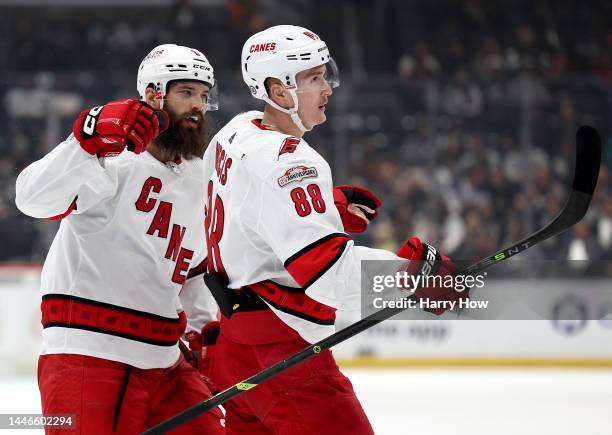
column 106, row 130
column 357, row 207
column 427, row 261
column 202, row 346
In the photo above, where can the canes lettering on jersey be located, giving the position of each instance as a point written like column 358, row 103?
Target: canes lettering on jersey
column 215, row 213
column 213, row 228
column 161, row 224
column 222, row 164
column 143, row 203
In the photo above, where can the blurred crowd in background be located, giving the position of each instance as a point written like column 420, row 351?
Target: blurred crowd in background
column 460, row 114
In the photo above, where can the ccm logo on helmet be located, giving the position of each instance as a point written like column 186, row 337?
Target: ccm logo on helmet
column 268, row 46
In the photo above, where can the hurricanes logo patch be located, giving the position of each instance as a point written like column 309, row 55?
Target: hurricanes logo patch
column 297, row 174
column 289, row 146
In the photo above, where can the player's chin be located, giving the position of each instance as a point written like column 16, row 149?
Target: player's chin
column 319, row 117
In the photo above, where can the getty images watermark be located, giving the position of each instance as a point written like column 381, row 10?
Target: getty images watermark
column 391, row 284
column 409, row 283
column 529, row 290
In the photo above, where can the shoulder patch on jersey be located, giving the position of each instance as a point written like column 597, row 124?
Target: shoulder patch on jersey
column 297, row 174
column 289, row 145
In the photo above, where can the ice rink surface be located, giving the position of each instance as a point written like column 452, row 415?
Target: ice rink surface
column 448, row 401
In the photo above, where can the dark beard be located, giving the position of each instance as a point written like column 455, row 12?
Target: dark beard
column 184, row 142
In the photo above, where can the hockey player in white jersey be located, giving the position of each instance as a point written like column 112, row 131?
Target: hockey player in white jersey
column 123, row 277
column 280, row 246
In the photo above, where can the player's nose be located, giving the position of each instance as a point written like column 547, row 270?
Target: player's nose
column 327, row 89
column 199, row 106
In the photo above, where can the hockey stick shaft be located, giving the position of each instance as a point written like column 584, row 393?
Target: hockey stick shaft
column 588, row 157
column 281, row 366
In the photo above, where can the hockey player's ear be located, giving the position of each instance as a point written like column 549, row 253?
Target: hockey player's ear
column 278, row 93
column 150, row 97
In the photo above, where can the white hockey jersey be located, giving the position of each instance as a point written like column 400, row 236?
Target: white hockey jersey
column 123, row 267
column 272, row 226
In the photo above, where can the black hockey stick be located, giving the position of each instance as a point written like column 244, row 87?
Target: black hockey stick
column 588, row 158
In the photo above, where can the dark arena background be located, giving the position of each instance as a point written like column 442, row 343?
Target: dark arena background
column 460, row 114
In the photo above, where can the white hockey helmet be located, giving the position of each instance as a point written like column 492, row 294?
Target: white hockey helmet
column 169, row 62
column 282, row 52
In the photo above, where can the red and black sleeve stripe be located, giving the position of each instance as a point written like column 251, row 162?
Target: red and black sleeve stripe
column 311, row 262
column 294, row 301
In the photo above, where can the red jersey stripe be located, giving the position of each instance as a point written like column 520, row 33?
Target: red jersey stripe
column 68, row 311
column 71, row 208
column 295, row 302
column 311, row 262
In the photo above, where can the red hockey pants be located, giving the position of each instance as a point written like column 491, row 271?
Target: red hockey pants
column 313, row 397
column 90, row 388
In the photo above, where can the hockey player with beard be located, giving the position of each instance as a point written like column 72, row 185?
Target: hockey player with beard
column 123, row 277
column 278, row 250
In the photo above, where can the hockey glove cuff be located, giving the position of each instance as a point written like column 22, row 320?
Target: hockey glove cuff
column 427, row 261
column 357, row 207
column 106, row 130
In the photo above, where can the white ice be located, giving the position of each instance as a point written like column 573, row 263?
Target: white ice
column 447, row 401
